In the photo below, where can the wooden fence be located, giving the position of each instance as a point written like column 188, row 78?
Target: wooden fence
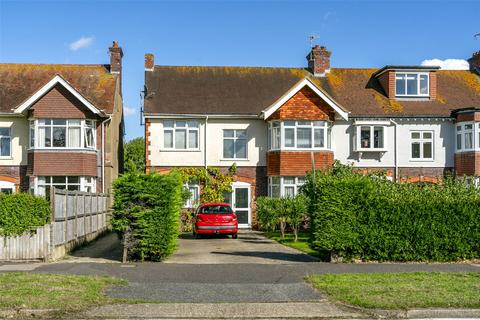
column 76, row 217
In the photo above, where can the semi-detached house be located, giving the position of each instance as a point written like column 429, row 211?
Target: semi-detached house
column 415, row 123
column 61, row 125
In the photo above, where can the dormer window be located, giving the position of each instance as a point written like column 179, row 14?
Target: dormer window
column 411, row 84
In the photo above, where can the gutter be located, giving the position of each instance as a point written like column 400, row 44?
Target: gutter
column 103, row 151
column 395, row 155
column 205, row 143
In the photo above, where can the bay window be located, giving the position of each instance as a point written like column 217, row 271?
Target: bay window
column 301, row 135
column 5, row 142
column 180, row 135
column 62, row 133
column 284, row 186
column 370, row 137
column 72, row 183
column 411, row 84
column 467, row 136
column 421, row 145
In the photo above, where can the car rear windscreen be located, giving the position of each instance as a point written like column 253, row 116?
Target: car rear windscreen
column 215, row 209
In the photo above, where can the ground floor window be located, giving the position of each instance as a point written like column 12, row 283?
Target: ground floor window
column 71, row 183
column 284, row 186
column 193, row 201
column 7, row 187
column 473, row 181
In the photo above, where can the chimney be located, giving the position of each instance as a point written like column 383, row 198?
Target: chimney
column 149, row 62
column 319, row 61
column 116, row 55
column 474, row 61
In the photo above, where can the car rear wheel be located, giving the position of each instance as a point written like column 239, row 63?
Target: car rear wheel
column 234, row 236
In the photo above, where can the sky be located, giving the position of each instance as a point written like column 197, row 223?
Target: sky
column 235, row 33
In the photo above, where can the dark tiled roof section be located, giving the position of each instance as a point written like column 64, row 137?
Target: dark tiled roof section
column 18, row 82
column 249, row 90
column 217, row 90
column 362, row 95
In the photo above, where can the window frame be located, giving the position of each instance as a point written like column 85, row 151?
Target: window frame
column 410, row 73
column 187, row 129
column 82, row 184
column 191, row 202
column 9, row 137
column 461, row 132
column 235, row 139
column 35, row 126
column 422, row 142
column 282, row 185
column 282, row 126
column 358, row 137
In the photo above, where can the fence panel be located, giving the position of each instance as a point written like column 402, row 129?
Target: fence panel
column 29, row 246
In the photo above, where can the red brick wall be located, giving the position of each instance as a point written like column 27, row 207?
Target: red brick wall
column 465, row 117
column 304, row 105
column 387, row 81
column 433, row 85
column 467, row 163
column 62, row 163
column 15, row 174
column 59, row 103
column 296, row 163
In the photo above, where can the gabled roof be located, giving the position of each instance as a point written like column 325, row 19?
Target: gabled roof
column 43, row 90
column 251, row 90
column 19, row 82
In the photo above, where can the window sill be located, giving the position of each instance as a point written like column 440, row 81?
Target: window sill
column 371, row 150
column 63, row 149
column 422, row 160
column 6, row 158
column 301, row 150
column 233, row 159
column 180, row 150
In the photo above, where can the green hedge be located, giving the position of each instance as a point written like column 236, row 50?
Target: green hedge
column 21, row 212
column 146, row 213
column 363, row 217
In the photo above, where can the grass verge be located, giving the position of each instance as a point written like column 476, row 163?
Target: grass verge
column 402, row 290
column 301, row 244
column 49, row 291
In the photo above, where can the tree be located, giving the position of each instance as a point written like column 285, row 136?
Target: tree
column 135, row 155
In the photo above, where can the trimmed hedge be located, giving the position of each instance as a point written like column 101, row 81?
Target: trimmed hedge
column 146, row 213
column 20, row 212
column 363, row 217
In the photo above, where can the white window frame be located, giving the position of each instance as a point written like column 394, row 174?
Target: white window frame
column 188, row 128
column 235, row 138
column 34, row 130
column 422, row 141
column 194, row 198
column 84, row 183
column 461, row 132
column 7, row 185
column 279, row 127
column 407, row 74
column 358, row 138
column 299, row 181
column 9, row 138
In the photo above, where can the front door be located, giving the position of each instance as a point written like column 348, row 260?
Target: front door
column 239, row 199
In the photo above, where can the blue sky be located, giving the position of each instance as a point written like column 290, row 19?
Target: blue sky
column 243, row 33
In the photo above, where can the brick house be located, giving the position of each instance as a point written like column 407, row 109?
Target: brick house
column 61, row 125
column 415, row 123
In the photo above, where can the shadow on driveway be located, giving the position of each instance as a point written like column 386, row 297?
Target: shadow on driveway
column 105, row 249
column 278, row 256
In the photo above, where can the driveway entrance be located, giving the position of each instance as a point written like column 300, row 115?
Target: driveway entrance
column 250, row 247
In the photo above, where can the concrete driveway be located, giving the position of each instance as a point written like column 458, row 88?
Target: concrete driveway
column 250, row 247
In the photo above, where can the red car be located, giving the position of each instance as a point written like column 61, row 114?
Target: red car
column 215, row 218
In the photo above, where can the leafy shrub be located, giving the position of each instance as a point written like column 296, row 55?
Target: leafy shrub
column 146, row 214
column 273, row 213
column 20, row 212
column 357, row 216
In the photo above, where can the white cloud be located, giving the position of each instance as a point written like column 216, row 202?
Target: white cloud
column 83, row 42
column 447, row 64
column 127, row 111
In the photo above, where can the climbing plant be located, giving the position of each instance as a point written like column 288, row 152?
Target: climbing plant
column 215, row 183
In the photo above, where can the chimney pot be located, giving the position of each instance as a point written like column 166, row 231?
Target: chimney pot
column 319, row 60
column 149, row 62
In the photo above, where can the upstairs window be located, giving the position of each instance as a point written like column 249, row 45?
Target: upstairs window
column 412, row 84
column 180, row 135
column 300, row 135
column 235, row 144
column 5, row 142
column 62, row 133
column 370, row 137
column 421, row 145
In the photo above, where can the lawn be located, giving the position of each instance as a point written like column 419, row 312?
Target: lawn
column 402, row 290
column 46, row 291
column 301, row 243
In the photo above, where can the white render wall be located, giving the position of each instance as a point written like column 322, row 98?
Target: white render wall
column 19, row 137
column 256, row 150
column 342, row 144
